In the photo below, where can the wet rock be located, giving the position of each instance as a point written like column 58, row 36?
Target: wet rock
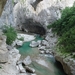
column 29, row 69
column 27, row 61
column 34, row 44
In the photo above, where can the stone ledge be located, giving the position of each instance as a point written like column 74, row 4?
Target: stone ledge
column 67, row 62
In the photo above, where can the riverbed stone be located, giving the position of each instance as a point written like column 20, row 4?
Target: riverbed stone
column 22, row 70
column 34, row 44
column 39, row 42
column 27, row 61
column 19, row 42
column 41, row 48
column 29, row 69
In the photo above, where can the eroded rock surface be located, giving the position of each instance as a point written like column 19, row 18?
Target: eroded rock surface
column 3, row 48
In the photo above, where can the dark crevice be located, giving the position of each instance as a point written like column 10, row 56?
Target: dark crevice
column 34, row 5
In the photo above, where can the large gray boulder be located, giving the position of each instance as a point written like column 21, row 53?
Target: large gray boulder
column 27, row 61
column 34, row 44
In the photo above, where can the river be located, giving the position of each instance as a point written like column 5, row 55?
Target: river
column 43, row 64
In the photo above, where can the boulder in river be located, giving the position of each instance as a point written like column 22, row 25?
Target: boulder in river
column 19, row 43
column 29, row 69
column 27, row 61
column 34, row 44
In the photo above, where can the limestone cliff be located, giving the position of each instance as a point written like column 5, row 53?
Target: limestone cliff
column 47, row 11
column 6, row 17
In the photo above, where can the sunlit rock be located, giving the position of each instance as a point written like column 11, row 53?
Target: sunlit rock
column 22, row 70
column 34, row 44
column 27, row 61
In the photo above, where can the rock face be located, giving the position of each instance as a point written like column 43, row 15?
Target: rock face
column 3, row 49
column 34, row 44
column 33, row 27
column 68, row 63
column 8, row 59
column 7, row 15
column 42, row 12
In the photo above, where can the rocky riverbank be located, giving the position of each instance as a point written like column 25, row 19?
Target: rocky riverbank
column 10, row 57
column 67, row 61
column 9, row 60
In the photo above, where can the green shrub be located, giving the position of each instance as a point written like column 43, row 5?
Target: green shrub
column 65, row 28
column 10, row 33
column 67, row 41
column 66, row 21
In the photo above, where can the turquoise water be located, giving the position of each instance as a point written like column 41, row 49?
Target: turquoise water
column 26, row 50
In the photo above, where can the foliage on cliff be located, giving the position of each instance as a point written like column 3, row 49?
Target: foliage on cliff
column 65, row 28
column 10, row 33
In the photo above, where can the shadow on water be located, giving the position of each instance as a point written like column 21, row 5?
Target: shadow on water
column 56, row 68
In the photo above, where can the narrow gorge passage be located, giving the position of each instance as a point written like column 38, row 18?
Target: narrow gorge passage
column 49, row 60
